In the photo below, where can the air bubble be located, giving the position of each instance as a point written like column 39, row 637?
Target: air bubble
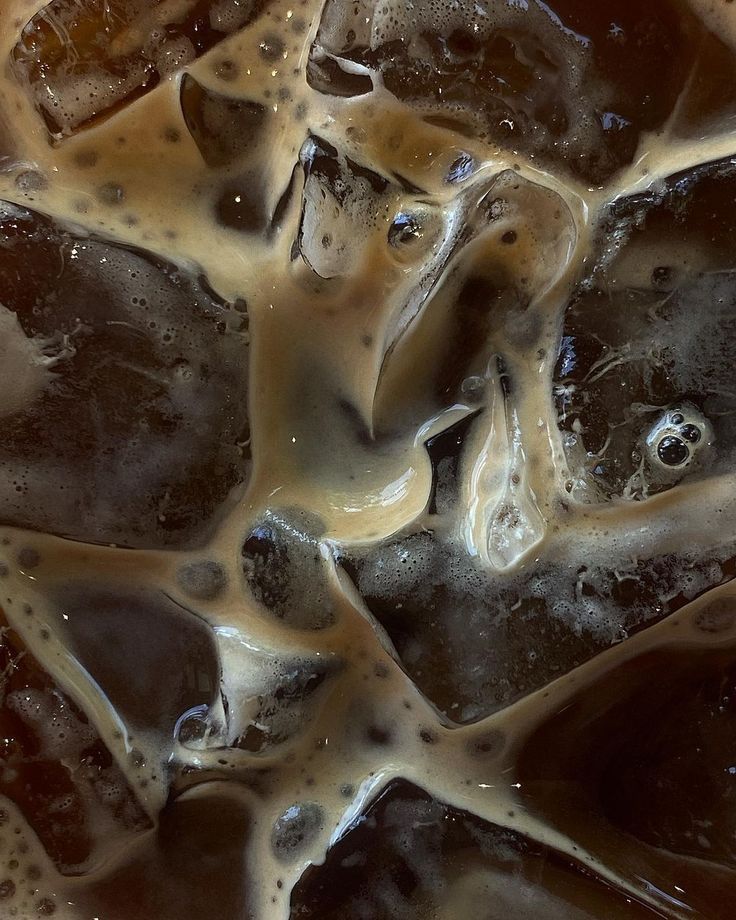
column 672, row 451
column 677, row 437
column 378, row 735
column 271, row 48
column 404, row 229
column 28, row 558
column 193, row 727
column 226, row 70
column 295, row 830
column 111, row 193
column 30, row 181
column 661, row 276
column 489, row 744
column 202, row 580
column 691, row 433
column 7, row 889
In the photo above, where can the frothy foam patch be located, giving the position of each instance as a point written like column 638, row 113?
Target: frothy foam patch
column 399, row 380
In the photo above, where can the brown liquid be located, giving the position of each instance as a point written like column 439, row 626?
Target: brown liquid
column 367, row 496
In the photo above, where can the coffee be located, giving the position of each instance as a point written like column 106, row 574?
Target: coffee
column 367, row 508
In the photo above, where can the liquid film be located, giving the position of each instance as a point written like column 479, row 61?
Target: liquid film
column 367, row 508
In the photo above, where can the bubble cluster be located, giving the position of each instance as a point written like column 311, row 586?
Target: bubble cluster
column 381, row 426
column 146, row 327
column 674, row 440
column 72, row 81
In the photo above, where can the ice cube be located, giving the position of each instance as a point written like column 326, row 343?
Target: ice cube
column 475, row 639
column 645, row 777
column 193, row 865
column 409, row 855
column 456, row 628
column 224, row 129
column 339, row 195
column 285, row 571
column 445, row 451
column 81, row 62
column 57, row 769
column 569, row 83
column 646, row 357
column 86, row 321
column 152, row 660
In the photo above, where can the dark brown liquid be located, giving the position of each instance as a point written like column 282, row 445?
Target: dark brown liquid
column 368, row 518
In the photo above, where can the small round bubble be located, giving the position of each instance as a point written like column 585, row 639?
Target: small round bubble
column 672, row 451
column 691, row 433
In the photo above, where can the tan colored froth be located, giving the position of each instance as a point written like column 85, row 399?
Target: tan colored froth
column 366, row 403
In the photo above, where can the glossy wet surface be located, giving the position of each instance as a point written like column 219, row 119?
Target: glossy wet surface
column 368, row 520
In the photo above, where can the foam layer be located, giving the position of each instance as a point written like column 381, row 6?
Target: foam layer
column 368, row 459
